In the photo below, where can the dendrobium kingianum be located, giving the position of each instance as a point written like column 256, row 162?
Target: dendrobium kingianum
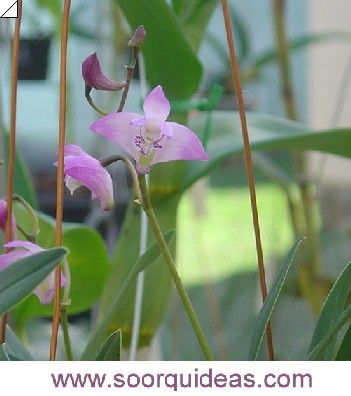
column 3, row 217
column 45, row 291
column 94, row 77
column 82, row 169
column 150, row 138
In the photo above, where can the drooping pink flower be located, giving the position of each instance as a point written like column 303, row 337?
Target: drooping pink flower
column 83, row 169
column 150, row 138
column 3, row 217
column 45, row 291
column 94, row 77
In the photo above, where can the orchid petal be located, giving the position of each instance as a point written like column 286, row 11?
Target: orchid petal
column 183, row 145
column 88, row 171
column 94, row 77
column 46, row 290
column 118, row 128
column 29, row 246
column 74, row 150
column 156, row 105
column 166, row 129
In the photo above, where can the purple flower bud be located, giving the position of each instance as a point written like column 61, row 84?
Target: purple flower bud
column 138, row 37
column 94, row 77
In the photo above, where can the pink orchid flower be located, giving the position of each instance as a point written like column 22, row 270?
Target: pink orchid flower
column 81, row 169
column 150, row 138
column 94, row 77
column 3, row 217
column 45, row 291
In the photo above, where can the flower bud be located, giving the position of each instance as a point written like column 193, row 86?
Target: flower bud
column 138, row 37
column 94, row 78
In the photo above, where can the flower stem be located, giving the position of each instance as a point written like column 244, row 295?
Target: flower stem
column 12, row 144
column 249, row 166
column 147, row 207
column 130, row 72
column 60, row 175
column 92, row 104
column 66, row 338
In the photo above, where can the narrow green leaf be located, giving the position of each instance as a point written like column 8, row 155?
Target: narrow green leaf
column 3, row 353
column 270, row 302
column 112, row 348
column 15, row 348
column 266, row 133
column 270, row 55
column 22, row 184
column 22, row 277
column 333, row 307
column 149, row 257
column 169, row 58
column 318, row 350
column 344, row 352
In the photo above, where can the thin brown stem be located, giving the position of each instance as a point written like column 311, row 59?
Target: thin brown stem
column 12, row 144
column 249, row 168
column 129, row 78
column 60, row 174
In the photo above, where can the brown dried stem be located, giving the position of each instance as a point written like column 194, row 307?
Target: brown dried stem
column 60, row 174
column 249, row 167
column 12, row 144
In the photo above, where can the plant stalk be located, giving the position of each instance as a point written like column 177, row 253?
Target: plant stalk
column 66, row 338
column 147, row 207
column 12, row 145
column 249, row 167
column 129, row 78
column 60, row 174
column 308, row 214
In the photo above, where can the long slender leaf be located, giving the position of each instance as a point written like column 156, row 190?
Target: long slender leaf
column 111, row 349
column 333, row 307
column 270, row 55
column 22, row 277
column 3, row 353
column 270, row 302
column 318, row 350
column 16, row 350
column 149, row 257
column 344, row 352
column 266, row 133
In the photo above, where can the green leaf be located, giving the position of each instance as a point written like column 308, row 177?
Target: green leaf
column 3, row 353
column 266, row 133
column 270, row 302
column 169, row 57
column 22, row 183
column 332, row 309
column 197, row 18
column 15, row 348
column 318, row 351
column 112, row 348
column 22, row 277
column 88, row 261
column 344, row 352
column 148, row 258
column 270, row 55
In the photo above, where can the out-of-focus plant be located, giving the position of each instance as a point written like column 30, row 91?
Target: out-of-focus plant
column 252, row 64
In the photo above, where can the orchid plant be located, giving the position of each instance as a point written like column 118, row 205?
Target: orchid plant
column 164, row 155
